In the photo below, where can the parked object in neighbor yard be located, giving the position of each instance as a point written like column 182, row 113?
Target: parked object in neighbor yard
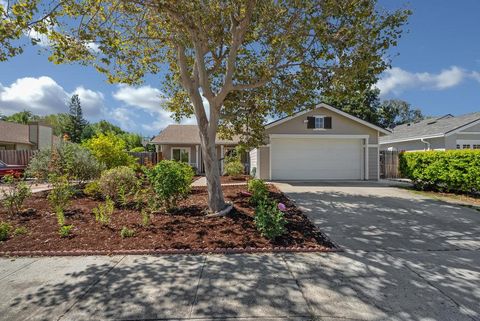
column 15, row 170
column 436, row 133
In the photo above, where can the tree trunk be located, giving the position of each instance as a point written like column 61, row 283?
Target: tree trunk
column 216, row 202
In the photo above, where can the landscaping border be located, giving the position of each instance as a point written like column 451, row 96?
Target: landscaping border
column 279, row 249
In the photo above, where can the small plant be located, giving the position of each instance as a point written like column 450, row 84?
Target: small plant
column 103, row 212
column 118, row 183
column 233, row 168
column 123, row 196
column 64, row 230
column 259, row 190
column 171, row 181
column 92, row 189
column 59, row 197
column 5, row 229
column 126, row 232
column 15, row 194
column 21, row 230
column 269, row 219
column 145, row 214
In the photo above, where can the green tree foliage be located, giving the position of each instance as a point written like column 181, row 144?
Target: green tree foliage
column 249, row 59
column 445, row 171
column 76, row 123
column 22, row 117
column 58, row 122
column 396, row 112
column 110, row 150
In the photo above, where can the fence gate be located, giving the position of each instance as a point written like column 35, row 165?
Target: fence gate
column 389, row 164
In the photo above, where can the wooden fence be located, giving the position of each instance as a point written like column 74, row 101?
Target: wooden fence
column 16, row 157
column 389, row 164
column 22, row 157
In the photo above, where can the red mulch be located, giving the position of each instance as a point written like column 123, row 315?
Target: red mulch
column 186, row 228
column 234, row 180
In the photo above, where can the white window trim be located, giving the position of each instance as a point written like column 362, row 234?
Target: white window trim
column 470, row 142
column 188, row 149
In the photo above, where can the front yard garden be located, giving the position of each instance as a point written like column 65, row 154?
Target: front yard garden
column 151, row 210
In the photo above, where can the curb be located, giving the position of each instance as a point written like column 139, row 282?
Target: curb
column 172, row 251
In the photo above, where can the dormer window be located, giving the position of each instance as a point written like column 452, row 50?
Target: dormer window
column 319, row 122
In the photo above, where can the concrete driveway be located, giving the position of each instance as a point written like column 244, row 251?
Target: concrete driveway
column 405, row 258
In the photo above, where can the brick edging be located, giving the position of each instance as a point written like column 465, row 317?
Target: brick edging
column 171, row 251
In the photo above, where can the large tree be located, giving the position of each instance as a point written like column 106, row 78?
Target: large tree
column 394, row 112
column 76, row 123
column 249, row 59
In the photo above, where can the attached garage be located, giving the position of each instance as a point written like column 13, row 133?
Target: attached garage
column 320, row 144
column 316, row 158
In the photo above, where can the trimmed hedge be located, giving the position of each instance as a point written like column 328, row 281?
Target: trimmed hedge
column 444, row 171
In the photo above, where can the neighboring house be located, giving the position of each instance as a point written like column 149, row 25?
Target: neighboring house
column 320, row 144
column 437, row 133
column 14, row 136
column 182, row 143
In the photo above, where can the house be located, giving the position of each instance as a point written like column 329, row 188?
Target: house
column 182, row 143
column 320, row 144
column 436, row 133
column 14, row 136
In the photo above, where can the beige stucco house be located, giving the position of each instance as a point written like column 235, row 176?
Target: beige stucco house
column 436, row 133
column 320, row 144
column 182, row 143
column 14, row 136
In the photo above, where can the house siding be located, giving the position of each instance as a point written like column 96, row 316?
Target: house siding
column 263, row 162
column 341, row 125
column 373, row 160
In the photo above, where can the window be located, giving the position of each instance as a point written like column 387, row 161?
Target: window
column 466, row 146
column 319, row 122
column 476, row 146
column 181, row 154
column 458, row 146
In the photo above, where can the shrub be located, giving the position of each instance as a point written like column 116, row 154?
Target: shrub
column 5, row 229
column 15, row 194
column 233, row 168
column 110, row 150
column 21, row 230
column 64, row 230
column 65, row 159
column 116, row 181
column 269, row 220
column 92, row 189
column 138, row 149
column 171, row 181
column 103, row 212
column 59, row 197
column 259, row 190
column 145, row 214
column 126, row 232
column 445, row 171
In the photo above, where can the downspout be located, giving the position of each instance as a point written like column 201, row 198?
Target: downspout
column 426, row 143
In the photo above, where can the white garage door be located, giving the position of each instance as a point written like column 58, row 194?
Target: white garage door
column 316, row 158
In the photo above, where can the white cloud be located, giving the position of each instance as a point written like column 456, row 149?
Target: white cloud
column 397, row 80
column 43, row 95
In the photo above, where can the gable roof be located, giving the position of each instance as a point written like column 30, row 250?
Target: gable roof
column 331, row 108
column 14, row 133
column 185, row 134
column 431, row 127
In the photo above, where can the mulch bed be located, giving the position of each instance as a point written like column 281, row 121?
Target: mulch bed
column 186, row 230
column 242, row 179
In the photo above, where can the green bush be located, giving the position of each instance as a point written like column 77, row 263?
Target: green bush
column 233, row 168
column 21, row 230
column 259, row 190
column 5, row 229
column 444, row 171
column 110, row 149
column 65, row 159
column 103, row 212
column 65, row 230
column 15, row 194
column 117, row 182
column 92, row 189
column 138, row 149
column 171, row 181
column 59, row 197
column 126, row 232
column 269, row 220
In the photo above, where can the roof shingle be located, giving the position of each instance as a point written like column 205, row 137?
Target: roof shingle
column 14, row 133
column 185, row 134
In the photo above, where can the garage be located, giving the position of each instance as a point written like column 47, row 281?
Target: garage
column 316, row 158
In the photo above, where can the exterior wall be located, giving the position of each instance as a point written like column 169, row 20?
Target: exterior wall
column 263, row 162
column 341, row 125
column 253, row 161
column 475, row 128
column 33, row 134
column 416, row 145
column 44, row 137
column 373, row 159
column 23, row 147
column 7, row 146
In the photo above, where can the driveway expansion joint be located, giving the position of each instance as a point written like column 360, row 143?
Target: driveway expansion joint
column 19, row 269
column 194, row 302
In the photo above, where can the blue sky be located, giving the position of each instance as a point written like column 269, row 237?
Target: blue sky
column 437, row 69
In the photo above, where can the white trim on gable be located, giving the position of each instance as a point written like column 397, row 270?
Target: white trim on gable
column 335, row 110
